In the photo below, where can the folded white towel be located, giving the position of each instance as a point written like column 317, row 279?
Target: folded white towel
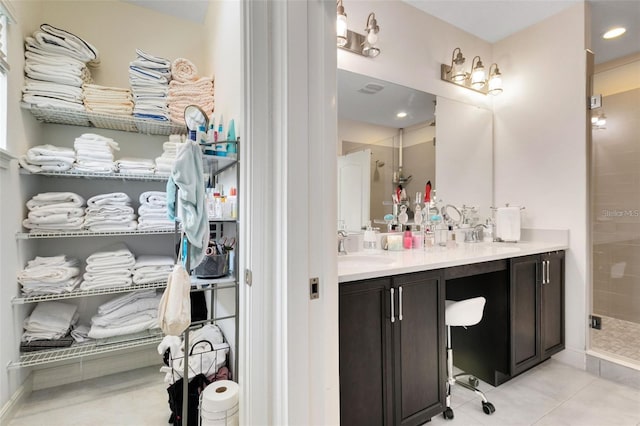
column 44, row 166
column 49, row 102
column 74, row 224
column 117, row 198
column 67, row 44
column 132, row 308
column 98, row 332
column 51, row 151
column 52, row 318
column 123, row 300
column 59, row 199
column 106, row 282
column 114, row 227
column 80, row 333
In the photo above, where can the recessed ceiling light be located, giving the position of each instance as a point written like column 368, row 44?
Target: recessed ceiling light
column 401, row 114
column 614, row 32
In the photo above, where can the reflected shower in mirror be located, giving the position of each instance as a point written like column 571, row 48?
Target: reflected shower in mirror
column 395, row 126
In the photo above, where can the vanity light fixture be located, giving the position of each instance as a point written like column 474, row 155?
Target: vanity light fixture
column 477, row 79
column 365, row 45
column 341, row 25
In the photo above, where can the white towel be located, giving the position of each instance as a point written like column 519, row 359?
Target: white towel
column 124, row 299
column 55, row 199
column 508, row 223
column 112, row 198
column 49, row 320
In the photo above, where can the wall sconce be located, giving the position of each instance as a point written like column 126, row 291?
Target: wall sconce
column 477, row 79
column 346, row 39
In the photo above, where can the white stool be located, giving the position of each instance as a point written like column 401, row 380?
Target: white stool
column 463, row 314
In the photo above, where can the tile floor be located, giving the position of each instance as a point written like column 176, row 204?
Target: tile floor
column 617, row 337
column 550, row 394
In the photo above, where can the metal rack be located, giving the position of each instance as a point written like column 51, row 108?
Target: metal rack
column 75, row 234
column 81, row 350
column 127, row 123
column 145, row 177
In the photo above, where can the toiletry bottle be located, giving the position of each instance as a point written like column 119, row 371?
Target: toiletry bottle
column 417, row 215
column 369, row 240
column 488, row 232
column 407, row 241
column 221, row 135
column 451, row 238
column 429, row 239
column 417, row 237
column 233, row 200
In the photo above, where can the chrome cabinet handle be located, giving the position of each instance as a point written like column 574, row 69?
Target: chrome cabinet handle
column 400, row 302
column 544, row 272
column 548, row 273
column 393, row 315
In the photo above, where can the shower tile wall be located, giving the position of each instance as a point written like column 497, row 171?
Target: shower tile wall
column 616, row 214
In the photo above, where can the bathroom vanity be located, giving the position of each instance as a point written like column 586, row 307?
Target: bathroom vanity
column 392, row 329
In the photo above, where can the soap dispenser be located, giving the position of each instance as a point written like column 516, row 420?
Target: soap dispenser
column 369, row 240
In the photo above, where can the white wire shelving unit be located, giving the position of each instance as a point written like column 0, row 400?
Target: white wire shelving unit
column 80, row 350
column 145, row 177
column 127, row 123
column 85, row 233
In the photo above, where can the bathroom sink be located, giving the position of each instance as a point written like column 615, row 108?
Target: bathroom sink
column 357, row 260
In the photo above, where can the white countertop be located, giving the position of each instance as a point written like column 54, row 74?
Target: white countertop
column 364, row 265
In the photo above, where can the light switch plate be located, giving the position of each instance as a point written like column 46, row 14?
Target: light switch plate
column 596, row 102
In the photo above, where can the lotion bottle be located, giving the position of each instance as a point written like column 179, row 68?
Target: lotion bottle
column 369, row 240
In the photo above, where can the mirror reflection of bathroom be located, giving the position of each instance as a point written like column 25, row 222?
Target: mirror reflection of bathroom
column 386, row 140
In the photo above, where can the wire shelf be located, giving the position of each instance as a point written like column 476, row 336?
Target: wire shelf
column 75, row 234
column 198, row 284
column 82, row 350
column 82, row 293
column 105, row 121
column 114, row 176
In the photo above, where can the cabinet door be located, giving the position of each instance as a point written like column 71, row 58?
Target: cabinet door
column 552, row 305
column 418, row 340
column 365, row 353
column 525, row 313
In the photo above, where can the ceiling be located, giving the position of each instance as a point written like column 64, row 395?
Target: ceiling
column 369, row 100
column 493, row 20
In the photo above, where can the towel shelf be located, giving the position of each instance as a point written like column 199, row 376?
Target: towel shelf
column 145, row 177
column 104, row 121
column 81, row 350
column 199, row 284
column 75, row 234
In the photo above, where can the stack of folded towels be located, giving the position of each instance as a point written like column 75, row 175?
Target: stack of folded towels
column 55, row 211
column 186, row 88
column 107, row 100
column 50, row 321
column 127, row 314
column 48, row 158
column 56, row 68
column 111, row 267
column 149, row 269
column 152, row 213
column 149, row 77
column 110, row 212
column 94, row 153
column 164, row 163
column 49, row 275
column 129, row 165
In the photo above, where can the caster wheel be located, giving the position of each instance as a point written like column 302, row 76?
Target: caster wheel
column 488, row 408
column 448, row 413
column 473, row 381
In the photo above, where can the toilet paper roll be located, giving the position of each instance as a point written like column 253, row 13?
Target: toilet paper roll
column 220, row 396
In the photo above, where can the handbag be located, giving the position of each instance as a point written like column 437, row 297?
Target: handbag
column 174, row 311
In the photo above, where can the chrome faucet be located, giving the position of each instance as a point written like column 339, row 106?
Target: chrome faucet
column 477, row 235
column 342, row 235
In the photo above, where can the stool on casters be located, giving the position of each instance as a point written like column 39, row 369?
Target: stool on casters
column 463, row 314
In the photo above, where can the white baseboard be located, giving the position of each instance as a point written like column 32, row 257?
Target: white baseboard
column 573, row 357
column 9, row 409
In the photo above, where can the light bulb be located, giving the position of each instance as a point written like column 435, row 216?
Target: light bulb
column 478, row 78
column 495, row 84
column 372, row 37
column 341, row 30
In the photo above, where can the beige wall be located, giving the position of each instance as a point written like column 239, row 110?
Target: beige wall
column 540, row 146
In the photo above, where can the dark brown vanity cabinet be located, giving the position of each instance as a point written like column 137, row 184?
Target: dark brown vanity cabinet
column 392, row 359
column 537, row 309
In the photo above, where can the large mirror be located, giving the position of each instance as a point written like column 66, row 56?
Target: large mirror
column 389, row 137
